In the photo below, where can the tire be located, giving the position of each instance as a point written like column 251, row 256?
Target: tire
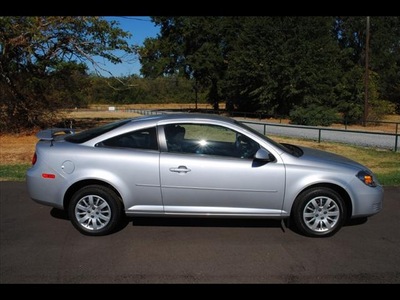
column 95, row 210
column 319, row 212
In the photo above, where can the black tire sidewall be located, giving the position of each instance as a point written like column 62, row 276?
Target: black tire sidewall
column 112, row 200
column 304, row 198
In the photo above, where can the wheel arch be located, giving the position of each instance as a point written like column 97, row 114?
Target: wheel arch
column 340, row 190
column 80, row 184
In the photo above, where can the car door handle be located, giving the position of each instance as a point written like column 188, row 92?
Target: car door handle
column 180, row 169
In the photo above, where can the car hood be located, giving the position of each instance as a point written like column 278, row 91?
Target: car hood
column 314, row 156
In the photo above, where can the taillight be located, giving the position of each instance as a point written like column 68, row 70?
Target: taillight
column 34, row 159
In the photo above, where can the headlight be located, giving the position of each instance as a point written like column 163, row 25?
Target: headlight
column 367, row 178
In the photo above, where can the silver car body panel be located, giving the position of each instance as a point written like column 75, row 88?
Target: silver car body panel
column 217, row 185
column 152, row 182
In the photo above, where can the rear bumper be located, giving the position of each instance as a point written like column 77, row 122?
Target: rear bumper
column 45, row 191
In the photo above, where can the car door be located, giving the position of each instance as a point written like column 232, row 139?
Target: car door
column 133, row 158
column 209, row 175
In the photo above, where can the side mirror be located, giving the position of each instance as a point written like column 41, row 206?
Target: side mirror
column 263, row 155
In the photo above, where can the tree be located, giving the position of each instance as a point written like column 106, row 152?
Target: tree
column 194, row 47
column 280, row 65
column 43, row 62
column 384, row 59
column 385, row 56
column 280, row 62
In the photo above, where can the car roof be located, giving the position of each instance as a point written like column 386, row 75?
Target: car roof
column 183, row 117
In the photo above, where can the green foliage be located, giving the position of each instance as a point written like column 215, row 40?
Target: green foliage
column 350, row 91
column 43, row 64
column 194, row 47
column 313, row 115
column 275, row 65
column 385, row 56
column 283, row 62
column 133, row 89
column 352, row 113
column 384, row 52
column 378, row 109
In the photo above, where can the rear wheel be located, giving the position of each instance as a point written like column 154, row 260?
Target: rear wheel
column 95, row 210
column 319, row 212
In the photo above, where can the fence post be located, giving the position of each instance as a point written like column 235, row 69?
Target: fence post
column 319, row 135
column 265, row 129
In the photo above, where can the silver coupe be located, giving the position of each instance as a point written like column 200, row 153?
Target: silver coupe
column 195, row 165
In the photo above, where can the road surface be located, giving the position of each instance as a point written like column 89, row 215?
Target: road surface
column 39, row 245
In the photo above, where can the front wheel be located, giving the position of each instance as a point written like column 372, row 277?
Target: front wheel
column 319, row 212
column 95, row 210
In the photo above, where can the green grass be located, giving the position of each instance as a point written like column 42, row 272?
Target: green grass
column 14, row 172
column 392, row 179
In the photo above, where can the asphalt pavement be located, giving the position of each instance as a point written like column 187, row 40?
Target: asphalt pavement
column 39, row 245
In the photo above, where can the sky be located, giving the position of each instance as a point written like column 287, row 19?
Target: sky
column 140, row 27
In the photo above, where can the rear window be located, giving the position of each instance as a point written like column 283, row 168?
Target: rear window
column 89, row 134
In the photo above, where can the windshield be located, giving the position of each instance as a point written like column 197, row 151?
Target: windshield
column 89, row 134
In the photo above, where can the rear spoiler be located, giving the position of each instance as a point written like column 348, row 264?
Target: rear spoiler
column 49, row 134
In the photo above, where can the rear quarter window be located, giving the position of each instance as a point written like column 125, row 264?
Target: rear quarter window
column 89, row 134
column 145, row 139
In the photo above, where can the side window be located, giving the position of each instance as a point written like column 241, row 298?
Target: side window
column 246, row 147
column 141, row 139
column 175, row 137
column 209, row 140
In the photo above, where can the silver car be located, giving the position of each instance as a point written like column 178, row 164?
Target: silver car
column 195, row 165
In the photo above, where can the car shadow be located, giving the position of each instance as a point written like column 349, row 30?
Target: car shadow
column 59, row 214
column 185, row 221
column 357, row 221
column 203, row 222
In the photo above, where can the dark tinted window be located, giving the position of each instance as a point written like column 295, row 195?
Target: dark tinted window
column 89, row 134
column 140, row 139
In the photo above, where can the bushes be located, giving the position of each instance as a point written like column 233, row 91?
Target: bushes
column 313, row 115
